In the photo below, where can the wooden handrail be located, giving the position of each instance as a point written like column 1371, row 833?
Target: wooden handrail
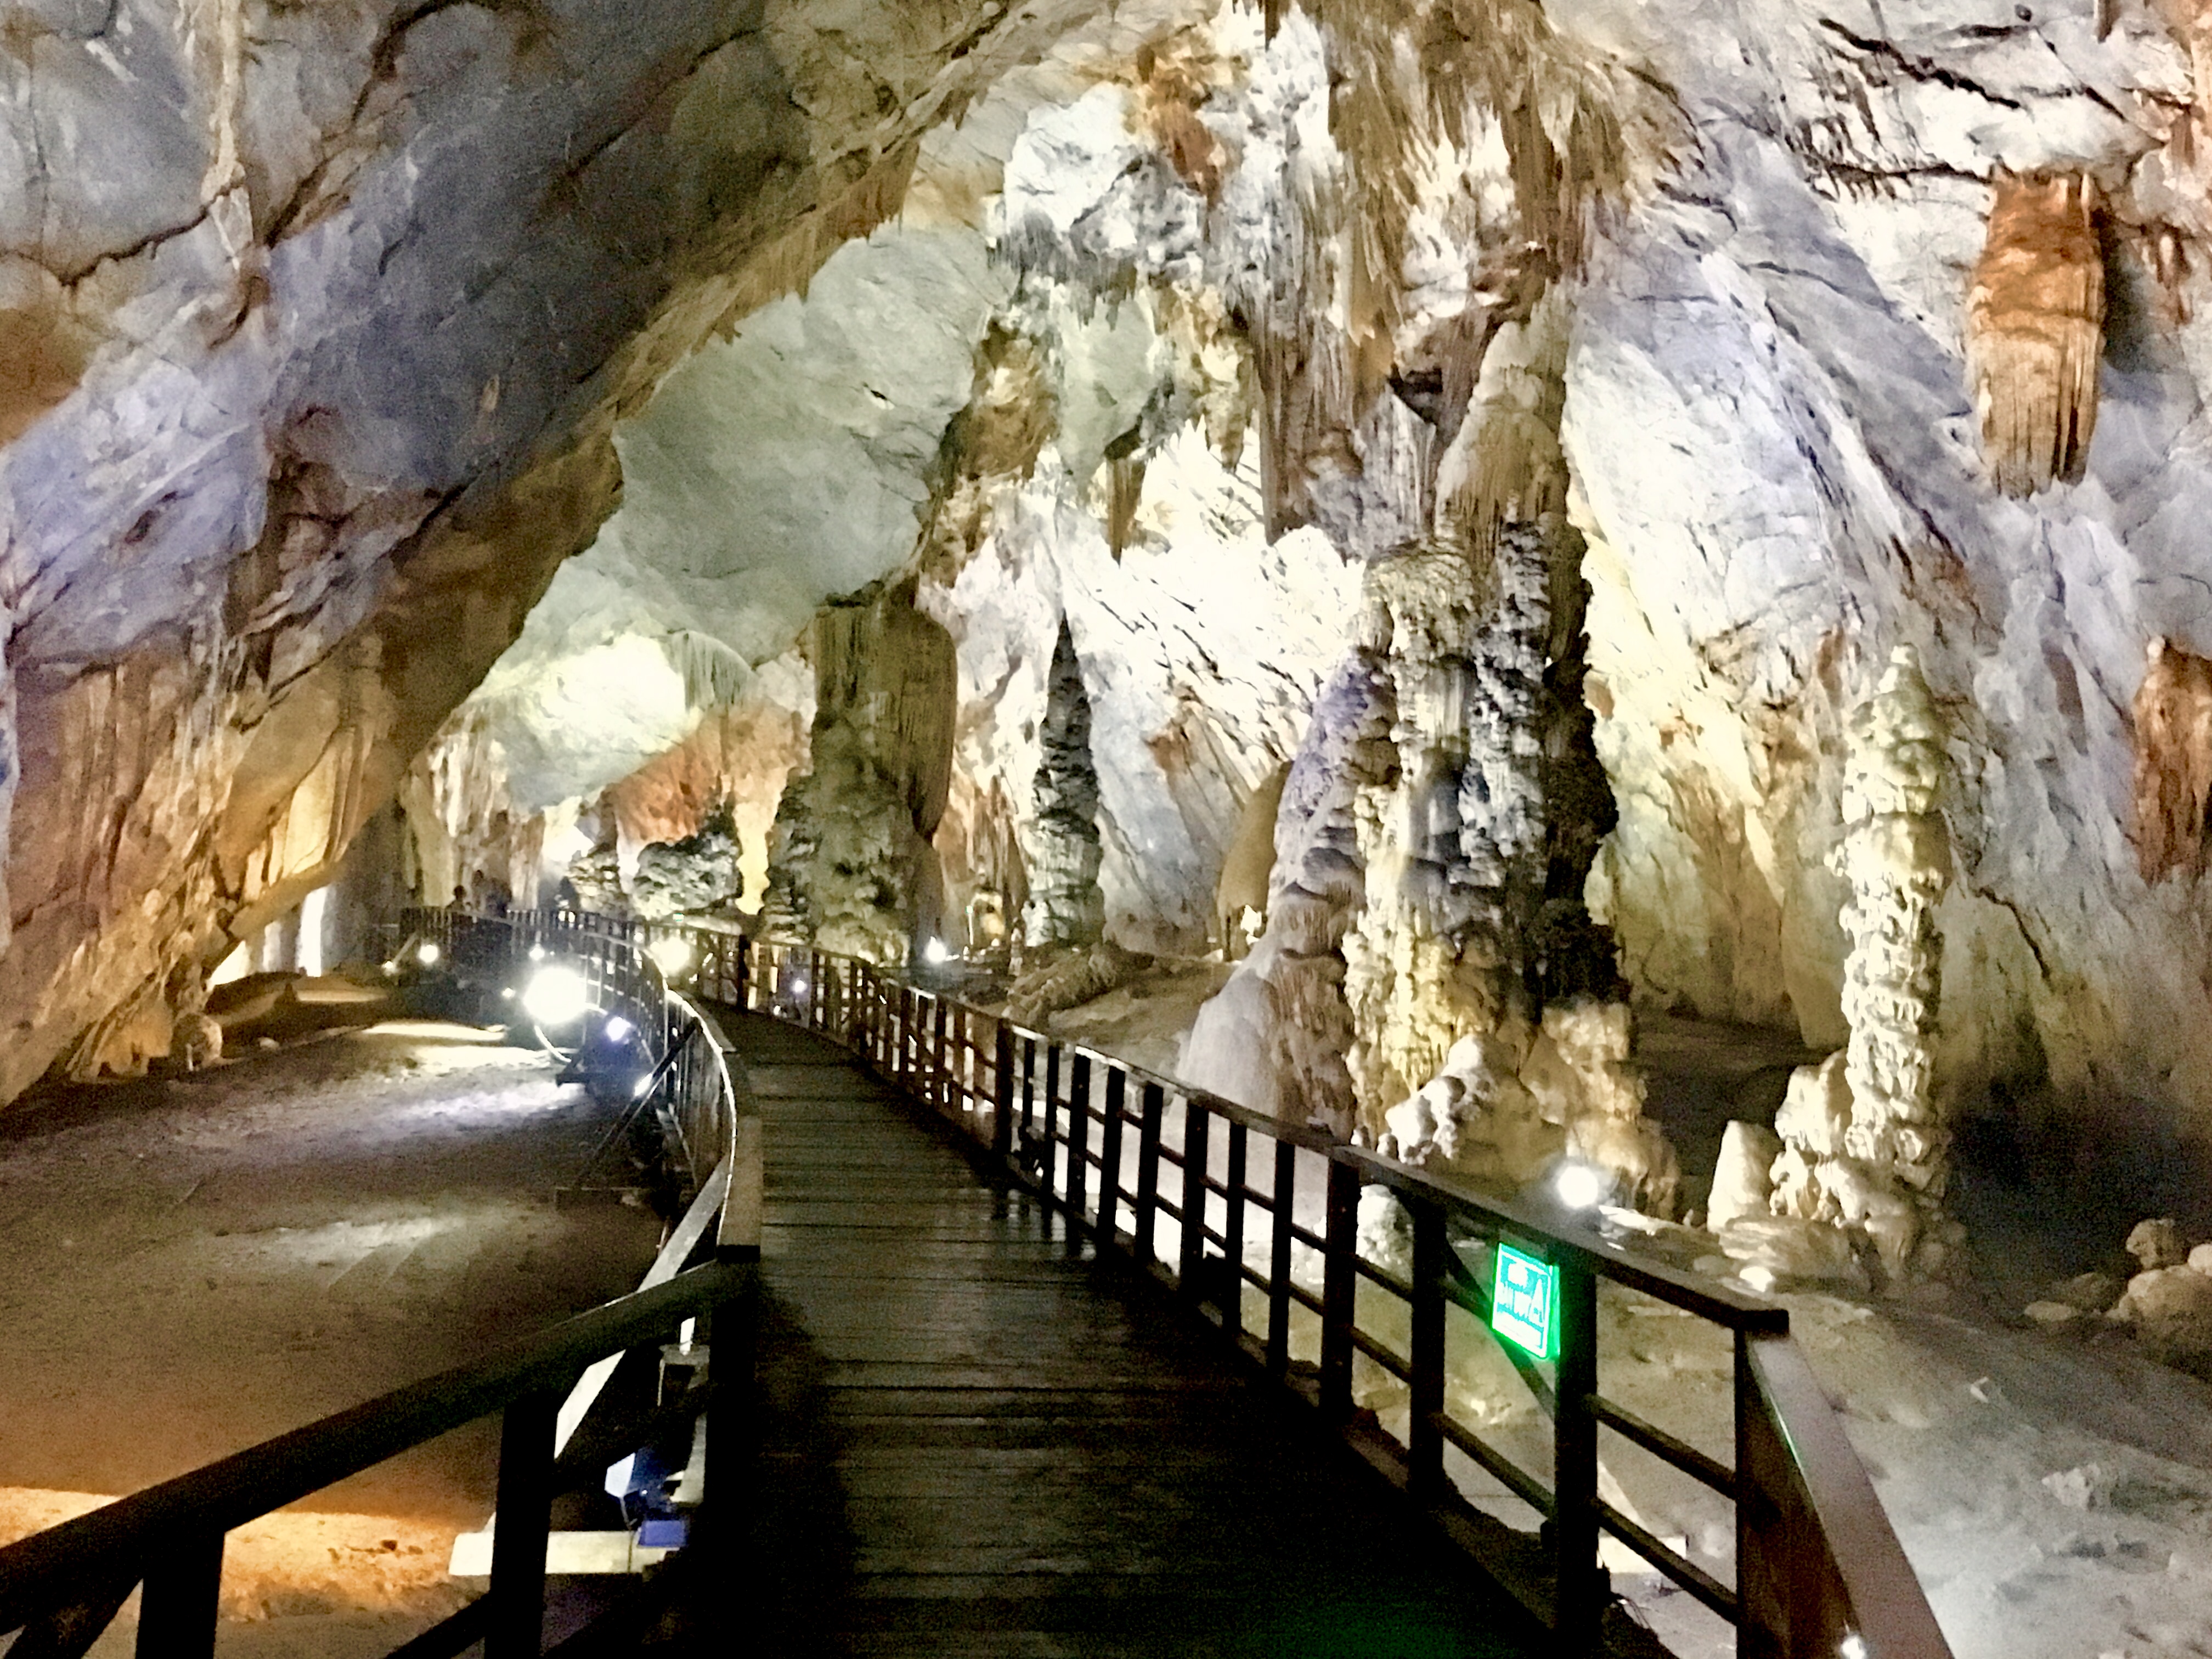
column 63, row 1585
column 1818, row 1563
column 49, row 1568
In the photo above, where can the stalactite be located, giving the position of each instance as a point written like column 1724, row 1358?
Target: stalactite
column 2173, row 764
column 2035, row 322
column 1125, row 492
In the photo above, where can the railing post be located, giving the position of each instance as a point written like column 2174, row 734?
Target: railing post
column 1278, row 1263
column 1002, row 1095
column 1191, row 1268
column 1340, row 1284
column 1580, row 1588
column 184, row 1586
column 517, row 1626
column 1148, row 1172
column 901, row 1063
column 1051, row 1121
column 1232, row 1231
column 1078, row 1144
column 935, row 1093
column 1109, row 1160
column 1425, row 1440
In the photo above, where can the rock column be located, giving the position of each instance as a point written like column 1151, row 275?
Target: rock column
column 1866, row 1150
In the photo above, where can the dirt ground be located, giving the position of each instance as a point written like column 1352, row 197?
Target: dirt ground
column 195, row 1265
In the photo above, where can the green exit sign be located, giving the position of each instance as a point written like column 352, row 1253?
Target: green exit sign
column 1524, row 1303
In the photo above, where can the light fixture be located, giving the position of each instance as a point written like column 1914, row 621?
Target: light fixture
column 428, row 953
column 1854, row 1646
column 643, row 1083
column 616, row 1028
column 936, row 953
column 671, row 955
column 1580, row 1186
column 537, row 953
column 556, row 996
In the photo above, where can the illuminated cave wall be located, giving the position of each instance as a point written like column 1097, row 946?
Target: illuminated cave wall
column 1180, row 328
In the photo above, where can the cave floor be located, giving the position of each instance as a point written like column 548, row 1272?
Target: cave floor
column 979, row 1439
column 195, row 1264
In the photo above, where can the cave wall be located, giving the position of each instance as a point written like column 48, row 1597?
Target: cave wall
column 317, row 323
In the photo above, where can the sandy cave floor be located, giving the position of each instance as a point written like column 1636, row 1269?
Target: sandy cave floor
column 197, row 1264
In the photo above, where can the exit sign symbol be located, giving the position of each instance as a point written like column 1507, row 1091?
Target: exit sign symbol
column 1524, row 1302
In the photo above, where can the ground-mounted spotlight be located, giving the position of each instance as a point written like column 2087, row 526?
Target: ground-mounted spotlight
column 428, row 953
column 556, row 996
column 617, row 1029
column 937, row 953
column 1580, row 1186
column 1853, row 1646
column 672, row 956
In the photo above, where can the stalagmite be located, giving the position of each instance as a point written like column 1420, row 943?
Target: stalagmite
column 1864, row 1146
column 2035, row 327
column 1065, row 906
column 1467, row 1050
column 850, row 865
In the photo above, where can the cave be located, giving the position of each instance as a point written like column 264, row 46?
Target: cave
column 1579, row 612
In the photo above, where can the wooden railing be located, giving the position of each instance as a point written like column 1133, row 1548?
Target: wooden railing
column 1819, row 1570
column 60, row 1588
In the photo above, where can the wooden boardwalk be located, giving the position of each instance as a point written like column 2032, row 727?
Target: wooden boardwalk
column 978, row 1440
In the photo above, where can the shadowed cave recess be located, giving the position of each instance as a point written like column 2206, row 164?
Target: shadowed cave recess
column 1611, row 599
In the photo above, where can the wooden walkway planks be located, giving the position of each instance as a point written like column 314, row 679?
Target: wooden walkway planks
column 977, row 1440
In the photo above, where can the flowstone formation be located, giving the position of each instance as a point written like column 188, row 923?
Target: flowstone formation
column 850, row 863
column 1864, row 1147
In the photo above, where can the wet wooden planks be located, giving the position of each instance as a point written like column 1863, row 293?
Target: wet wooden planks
column 976, row 1440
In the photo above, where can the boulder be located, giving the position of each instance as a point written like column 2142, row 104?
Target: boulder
column 2171, row 1309
column 2157, row 1244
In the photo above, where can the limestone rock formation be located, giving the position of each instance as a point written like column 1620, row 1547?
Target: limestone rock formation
column 695, row 875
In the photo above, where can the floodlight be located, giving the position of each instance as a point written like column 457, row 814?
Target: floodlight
column 428, row 953
column 1580, row 1186
column 556, row 996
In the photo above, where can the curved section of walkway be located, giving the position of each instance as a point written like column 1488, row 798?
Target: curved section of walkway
column 980, row 1440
